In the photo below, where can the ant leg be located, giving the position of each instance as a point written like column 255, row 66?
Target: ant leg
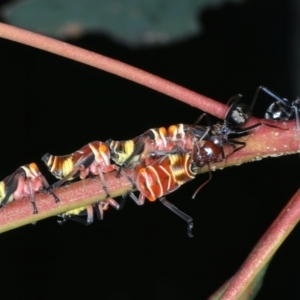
column 199, row 118
column 234, row 100
column 195, row 131
column 297, row 119
column 268, row 92
column 179, row 213
column 203, row 184
column 232, row 143
column 256, row 96
column 245, row 130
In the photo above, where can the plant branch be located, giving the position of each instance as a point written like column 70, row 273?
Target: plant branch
column 264, row 249
column 265, row 141
column 113, row 66
column 82, row 193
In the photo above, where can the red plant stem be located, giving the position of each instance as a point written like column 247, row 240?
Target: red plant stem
column 113, row 66
column 265, row 248
column 265, row 141
column 82, row 193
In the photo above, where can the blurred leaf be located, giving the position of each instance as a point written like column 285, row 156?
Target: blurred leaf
column 135, row 23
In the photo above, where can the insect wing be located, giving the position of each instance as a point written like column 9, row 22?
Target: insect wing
column 11, row 184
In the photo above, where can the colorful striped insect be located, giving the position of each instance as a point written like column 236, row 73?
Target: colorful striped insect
column 181, row 138
column 88, row 211
column 188, row 148
column 24, row 182
column 163, row 177
column 94, row 159
column 178, row 138
column 168, row 171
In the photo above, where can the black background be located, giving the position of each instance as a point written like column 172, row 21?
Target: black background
column 51, row 104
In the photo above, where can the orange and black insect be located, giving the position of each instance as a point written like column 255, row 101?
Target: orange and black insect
column 204, row 144
column 163, row 177
column 88, row 211
column 178, row 138
column 24, row 182
column 94, row 159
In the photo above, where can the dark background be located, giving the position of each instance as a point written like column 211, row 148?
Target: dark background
column 144, row 252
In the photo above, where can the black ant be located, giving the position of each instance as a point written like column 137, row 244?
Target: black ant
column 280, row 110
column 237, row 115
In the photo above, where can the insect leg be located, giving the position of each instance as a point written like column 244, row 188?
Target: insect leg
column 77, row 219
column 128, row 177
column 74, row 215
column 98, row 209
column 179, row 213
column 32, row 197
column 48, row 189
column 271, row 94
column 132, row 196
column 103, row 181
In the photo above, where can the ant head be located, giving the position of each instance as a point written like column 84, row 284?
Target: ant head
column 238, row 113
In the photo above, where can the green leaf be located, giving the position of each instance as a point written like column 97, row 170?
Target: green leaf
column 134, row 23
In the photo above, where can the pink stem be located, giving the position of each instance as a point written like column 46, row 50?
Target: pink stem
column 82, row 193
column 265, row 249
column 265, row 141
column 113, row 66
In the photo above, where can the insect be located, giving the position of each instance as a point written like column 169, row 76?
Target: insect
column 282, row 109
column 171, row 170
column 88, row 211
column 94, row 159
column 24, row 182
column 206, row 143
column 227, row 131
column 181, row 137
column 164, row 176
column 177, row 138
